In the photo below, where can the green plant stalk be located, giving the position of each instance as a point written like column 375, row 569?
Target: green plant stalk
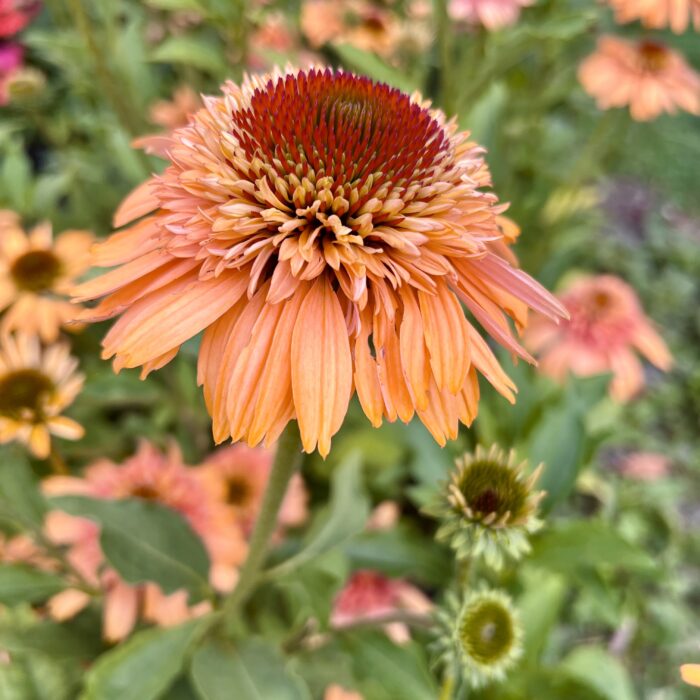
column 445, row 57
column 287, row 461
column 122, row 109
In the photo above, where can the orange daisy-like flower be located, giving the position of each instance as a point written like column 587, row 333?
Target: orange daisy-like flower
column 647, row 76
column 36, row 385
column 322, row 230
column 690, row 673
column 606, row 325
column 36, row 275
column 659, row 14
column 153, row 476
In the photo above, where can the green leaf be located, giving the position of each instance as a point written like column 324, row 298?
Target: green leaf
column 16, row 176
column 20, row 498
column 253, row 670
column 20, row 584
column 145, row 666
column 587, row 544
column 601, row 671
column 390, row 671
column 146, row 541
column 58, row 641
column 201, row 53
column 344, row 517
column 539, row 608
column 176, row 5
column 371, row 65
column 558, row 442
column 401, row 551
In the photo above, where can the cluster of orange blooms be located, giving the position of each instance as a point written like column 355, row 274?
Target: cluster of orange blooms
column 645, row 75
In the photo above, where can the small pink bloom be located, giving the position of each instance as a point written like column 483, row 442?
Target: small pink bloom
column 645, row 466
column 492, row 14
column 337, row 692
column 606, row 326
column 11, row 56
column 369, row 595
column 15, row 15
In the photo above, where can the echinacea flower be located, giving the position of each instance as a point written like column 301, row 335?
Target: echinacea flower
column 369, row 595
column 690, row 673
column 237, row 475
column 36, row 385
column 488, row 507
column 492, row 14
column 479, row 639
column 153, row 476
column 659, row 14
column 645, row 75
column 322, row 230
column 15, row 15
column 606, row 326
column 645, row 466
column 36, row 274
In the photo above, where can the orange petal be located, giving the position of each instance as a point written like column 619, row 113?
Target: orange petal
column 321, row 367
column 412, row 348
column 369, row 391
column 137, row 203
column 690, row 673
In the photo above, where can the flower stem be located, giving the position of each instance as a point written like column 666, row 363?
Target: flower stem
column 287, row 461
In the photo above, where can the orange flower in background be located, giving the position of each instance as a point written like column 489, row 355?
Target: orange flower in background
column 492, row 14
column 647, row 76
column 659, row 14
column 153, row 476
column 369, row 595
column 36, row 274
column 321, row 21
column 237, row 476
column 606, row 326
column 36, row 385
column 690, row 673
column 322, row 230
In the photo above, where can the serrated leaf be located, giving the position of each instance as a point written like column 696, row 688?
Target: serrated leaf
column 145, row 666
column 146, row 541
column 253, row 670
column 21, row 584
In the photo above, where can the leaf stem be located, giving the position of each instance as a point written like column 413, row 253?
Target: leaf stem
column 286, row 463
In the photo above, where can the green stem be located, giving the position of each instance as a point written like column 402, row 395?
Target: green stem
column 445, row 56
column 286, row 463
column 447, row 689
column 126, row 115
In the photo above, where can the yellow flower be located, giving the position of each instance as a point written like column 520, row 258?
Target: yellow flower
column 36, row 385
column 690, row 673
column 36, row 275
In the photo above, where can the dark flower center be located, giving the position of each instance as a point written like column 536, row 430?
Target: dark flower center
column 238, row 491
column 654, row 57
column 486, row 631
column 360, row 135
column 23, row 391
column 146, row 492
column 493, row 488
column 36, row 271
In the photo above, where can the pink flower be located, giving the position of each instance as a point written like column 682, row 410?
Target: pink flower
column 606, row 326
column 645, row 466
column 15, row 15
column 154, row 476
column 11, row 56
column 492, row 14
column 369, row 595
column 337, row 692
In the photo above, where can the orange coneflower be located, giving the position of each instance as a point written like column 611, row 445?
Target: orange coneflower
column 36, row 385
column 646, row 75
column 322, row 230
column 36, row 275
column 606, row 325
column 153, row 476
column 658, row 14
column 492, row 14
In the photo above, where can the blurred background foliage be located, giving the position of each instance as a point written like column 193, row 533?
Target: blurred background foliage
column 610, row 595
